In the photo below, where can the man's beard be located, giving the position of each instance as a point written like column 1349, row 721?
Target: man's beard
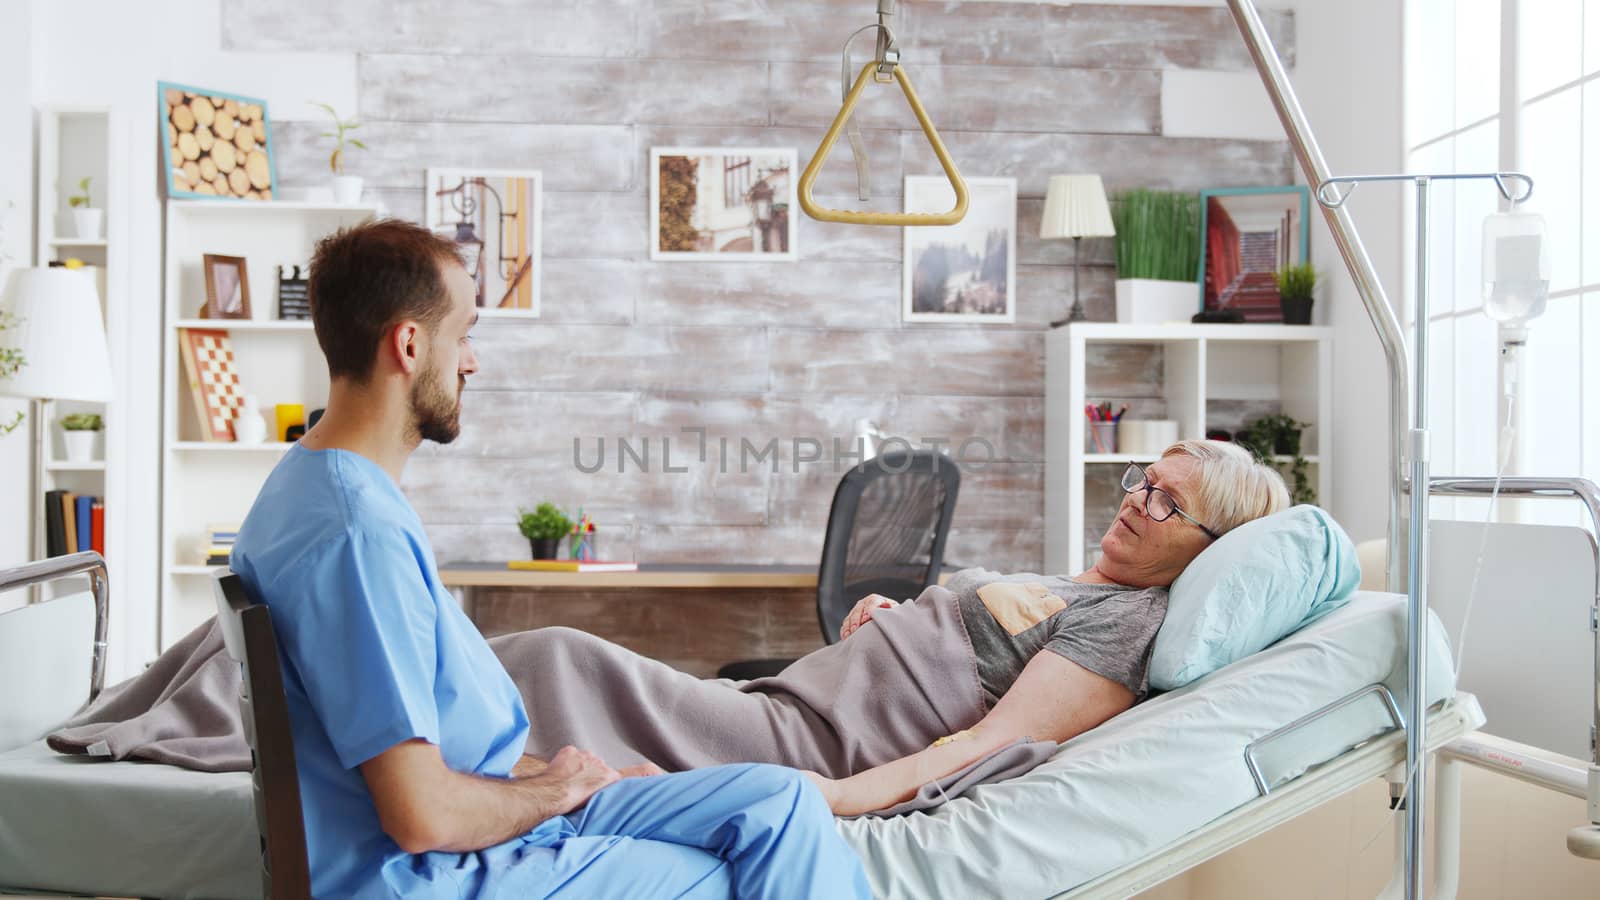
column 435, row 410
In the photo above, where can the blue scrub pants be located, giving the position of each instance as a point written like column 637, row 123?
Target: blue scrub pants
column 746, row 831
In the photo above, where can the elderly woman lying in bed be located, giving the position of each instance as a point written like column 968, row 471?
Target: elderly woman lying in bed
column 918, row 689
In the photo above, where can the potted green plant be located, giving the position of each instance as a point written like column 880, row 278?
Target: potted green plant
column 346, row 188
column 1295, row 286
column 79, row 431
column 544, row 528
column 1279, row 435
column 86, row 218
column 1158, row 255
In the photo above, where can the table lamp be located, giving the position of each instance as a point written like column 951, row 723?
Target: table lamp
column 62, row 337
column 1075, row 207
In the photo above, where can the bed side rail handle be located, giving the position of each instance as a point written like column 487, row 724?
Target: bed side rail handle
column 87, row 563
column 1253, row 763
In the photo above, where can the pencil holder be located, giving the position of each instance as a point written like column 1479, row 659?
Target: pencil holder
column 1100, row 437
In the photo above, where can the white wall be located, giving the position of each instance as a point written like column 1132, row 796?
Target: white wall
column 16, row 249
column 117, row 63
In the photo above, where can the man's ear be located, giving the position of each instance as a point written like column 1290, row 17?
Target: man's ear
column 405, row 346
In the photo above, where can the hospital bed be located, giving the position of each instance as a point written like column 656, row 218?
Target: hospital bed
column 1154, row 791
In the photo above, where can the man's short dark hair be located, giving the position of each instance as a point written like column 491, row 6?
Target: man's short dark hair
column 367, row 278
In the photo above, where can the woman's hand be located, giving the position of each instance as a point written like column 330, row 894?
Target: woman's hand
column 862, row 614
column 528, row 766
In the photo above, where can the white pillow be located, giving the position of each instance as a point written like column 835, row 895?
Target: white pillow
column 1260, row 582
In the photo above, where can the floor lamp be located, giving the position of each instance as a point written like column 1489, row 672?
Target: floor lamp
column 1075, row 207
column 63, row 341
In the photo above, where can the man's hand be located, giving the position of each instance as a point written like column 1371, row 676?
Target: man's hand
column 577, row 775
column 643, row 770
column 862, row 614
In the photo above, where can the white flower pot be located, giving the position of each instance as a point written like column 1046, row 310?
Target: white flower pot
column 80, row 445
column 347, row 189
column 87, row 223
column 1147, row 301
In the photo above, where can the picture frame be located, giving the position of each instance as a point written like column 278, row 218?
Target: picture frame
column 983, row 245
column 1247, row 235
column 227, row 287
column 747, row 212
column 496, row 217
column 215, row 145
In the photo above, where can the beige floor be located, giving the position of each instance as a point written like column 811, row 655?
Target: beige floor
column 1513, row 846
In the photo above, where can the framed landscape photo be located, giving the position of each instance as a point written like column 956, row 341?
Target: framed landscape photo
column 722, row 204
column 496, row 216
column 1247, row 236
column 214, row 145
column 966, row 272
column 227, row 288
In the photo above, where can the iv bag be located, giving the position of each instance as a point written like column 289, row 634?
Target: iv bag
column 1516, row 268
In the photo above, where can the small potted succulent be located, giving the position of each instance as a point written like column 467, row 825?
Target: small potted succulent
column 544, row 528
column 79, row 431
column 86, row 219
column 346, row 188
column 1295, row 286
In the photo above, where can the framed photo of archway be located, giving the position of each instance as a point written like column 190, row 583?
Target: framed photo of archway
column 722, row 204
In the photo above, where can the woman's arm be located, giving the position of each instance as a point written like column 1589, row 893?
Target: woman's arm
column 1054, row 699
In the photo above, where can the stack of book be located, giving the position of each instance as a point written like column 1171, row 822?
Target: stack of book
column 219, row 543
column 73, row 523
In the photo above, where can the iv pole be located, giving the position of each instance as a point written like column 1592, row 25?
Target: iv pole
column 1330, row 197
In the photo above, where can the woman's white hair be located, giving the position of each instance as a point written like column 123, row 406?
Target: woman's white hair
column 1234, row 487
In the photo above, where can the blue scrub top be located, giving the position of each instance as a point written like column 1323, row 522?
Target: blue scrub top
column 375, row 652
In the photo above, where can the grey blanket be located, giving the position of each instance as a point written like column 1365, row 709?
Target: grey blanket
column 891, row 689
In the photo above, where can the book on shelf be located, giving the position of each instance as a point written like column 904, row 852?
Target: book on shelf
column 69, row 520
column 571, row 565
column 55, row 524
column 84, row 515
column 97, row 526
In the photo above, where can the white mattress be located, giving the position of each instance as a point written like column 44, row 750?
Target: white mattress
column 84, row 826
column 1151, row 775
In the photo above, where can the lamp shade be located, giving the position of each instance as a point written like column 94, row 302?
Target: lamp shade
column 1074, row 207
column 61, row 335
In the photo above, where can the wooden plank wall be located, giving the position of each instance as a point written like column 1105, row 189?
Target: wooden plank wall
column 635, row 349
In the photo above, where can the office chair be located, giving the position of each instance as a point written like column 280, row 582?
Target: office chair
column 247, row 632
column 886, row 535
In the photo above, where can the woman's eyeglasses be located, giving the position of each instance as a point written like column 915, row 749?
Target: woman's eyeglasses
column 1158, row 504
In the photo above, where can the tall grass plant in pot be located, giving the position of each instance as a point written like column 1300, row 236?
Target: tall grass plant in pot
column 1158, row 256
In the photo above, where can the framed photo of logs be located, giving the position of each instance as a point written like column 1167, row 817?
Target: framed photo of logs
column 214, row 145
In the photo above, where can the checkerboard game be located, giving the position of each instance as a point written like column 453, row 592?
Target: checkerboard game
column 213, row 380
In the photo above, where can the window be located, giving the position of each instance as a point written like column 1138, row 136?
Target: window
column 1509, row 84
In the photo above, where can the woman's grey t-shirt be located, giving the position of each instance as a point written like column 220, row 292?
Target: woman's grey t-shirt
column 1106, row 628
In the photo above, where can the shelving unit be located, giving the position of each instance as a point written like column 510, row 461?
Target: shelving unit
column 207, row 482
column 74, row 142
column 1209, row 376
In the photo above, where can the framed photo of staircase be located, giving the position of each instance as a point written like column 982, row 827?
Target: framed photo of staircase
column 1247, row 236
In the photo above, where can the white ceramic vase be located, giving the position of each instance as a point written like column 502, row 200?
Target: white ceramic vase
column 80, row 445
column 87, row 223
column 347, row 189
column 249, row 427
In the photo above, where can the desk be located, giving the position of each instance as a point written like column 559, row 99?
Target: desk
column 694, row 617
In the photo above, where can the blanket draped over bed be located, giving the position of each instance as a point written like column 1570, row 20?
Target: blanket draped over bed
column 892, row 688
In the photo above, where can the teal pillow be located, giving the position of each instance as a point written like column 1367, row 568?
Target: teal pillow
column 1262, row 581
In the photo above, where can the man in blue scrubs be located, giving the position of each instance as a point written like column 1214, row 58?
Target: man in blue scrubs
column 408, row 733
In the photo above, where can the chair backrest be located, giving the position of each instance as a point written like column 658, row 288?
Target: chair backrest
column 886, row 532
column 247, row 631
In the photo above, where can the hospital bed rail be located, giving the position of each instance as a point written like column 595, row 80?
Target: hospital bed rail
column 1551, row 771
column 56, row 568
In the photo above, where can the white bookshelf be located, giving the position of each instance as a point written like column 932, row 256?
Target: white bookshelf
column 1206, row 369
column 203, row 481
column 74, row 142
